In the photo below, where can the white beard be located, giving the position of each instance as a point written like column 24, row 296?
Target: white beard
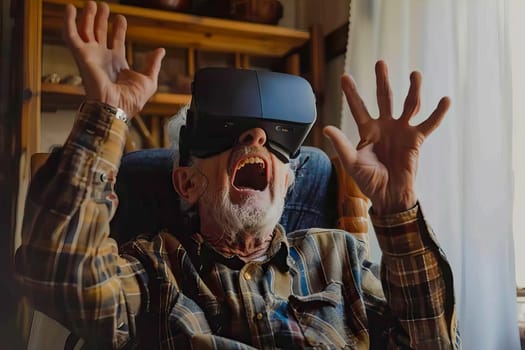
column 253, row 216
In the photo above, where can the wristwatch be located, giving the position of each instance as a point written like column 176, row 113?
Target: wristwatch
column 116, row 112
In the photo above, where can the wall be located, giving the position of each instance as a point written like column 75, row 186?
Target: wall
column 330, row 14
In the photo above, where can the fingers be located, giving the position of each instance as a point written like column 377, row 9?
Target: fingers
column 93, row 24
column 356, row 104
column 435, row 118
column 152, row 64
column 117, row 40
column 344, row 148
column 87, row 21
column 101, row 23
column 413, row 99
column 70, row 33
column 384, row 93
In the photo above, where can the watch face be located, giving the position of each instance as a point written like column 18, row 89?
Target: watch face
column 96, row 106
column 121, row 115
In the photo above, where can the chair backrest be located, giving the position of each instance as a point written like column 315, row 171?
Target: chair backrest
column 148, row 202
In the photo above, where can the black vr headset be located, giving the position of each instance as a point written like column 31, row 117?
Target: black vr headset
column 228, row 101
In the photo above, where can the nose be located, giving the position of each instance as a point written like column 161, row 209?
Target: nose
column 253, row 137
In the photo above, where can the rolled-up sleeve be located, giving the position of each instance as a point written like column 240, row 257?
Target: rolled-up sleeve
column 417, row 280
column 67, row 264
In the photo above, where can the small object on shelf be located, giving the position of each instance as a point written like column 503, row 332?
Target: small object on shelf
column 259, row 11
column 53, row 78
column 171, row 5
column 71, row 80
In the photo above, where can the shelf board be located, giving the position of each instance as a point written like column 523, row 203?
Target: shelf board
column 166, row 28
column 61, row 96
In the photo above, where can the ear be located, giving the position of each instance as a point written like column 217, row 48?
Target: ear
column 188, row 183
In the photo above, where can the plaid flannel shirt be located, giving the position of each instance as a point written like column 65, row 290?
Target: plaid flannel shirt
column 315, row 289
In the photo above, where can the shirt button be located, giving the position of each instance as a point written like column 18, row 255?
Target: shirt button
column 247, row 276
column 259, row 316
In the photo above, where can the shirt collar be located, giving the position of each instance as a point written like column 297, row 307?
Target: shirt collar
column 277, row 253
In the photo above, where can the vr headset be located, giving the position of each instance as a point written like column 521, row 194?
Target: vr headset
column 228, row 101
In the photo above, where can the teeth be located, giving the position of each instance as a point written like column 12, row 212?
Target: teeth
column 251, row 160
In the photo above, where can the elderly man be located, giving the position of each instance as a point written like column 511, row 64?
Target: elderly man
column 239, row 281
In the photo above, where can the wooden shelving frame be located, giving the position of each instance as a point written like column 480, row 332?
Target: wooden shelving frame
column 149, row 27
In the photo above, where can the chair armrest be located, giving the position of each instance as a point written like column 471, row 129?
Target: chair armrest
column 352, row 204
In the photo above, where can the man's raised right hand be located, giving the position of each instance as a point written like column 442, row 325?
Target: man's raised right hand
column 101, row 59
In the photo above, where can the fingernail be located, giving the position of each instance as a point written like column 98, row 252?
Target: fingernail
column 352, row 82
column 363, row 143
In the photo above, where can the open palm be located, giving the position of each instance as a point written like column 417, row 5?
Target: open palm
column 384, row 163
column 102, row 60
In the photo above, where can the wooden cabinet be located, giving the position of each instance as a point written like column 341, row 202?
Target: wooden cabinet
column 192, row 37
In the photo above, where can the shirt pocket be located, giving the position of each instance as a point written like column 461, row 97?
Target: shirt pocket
column 321, row 318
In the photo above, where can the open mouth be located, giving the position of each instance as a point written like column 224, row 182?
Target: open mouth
column 250, row 173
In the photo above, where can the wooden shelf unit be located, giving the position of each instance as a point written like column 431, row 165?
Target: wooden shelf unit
column 153, row 28
column 167, row 28
column 62, row 96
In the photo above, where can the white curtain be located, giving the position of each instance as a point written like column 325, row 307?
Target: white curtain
column 464, row 178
